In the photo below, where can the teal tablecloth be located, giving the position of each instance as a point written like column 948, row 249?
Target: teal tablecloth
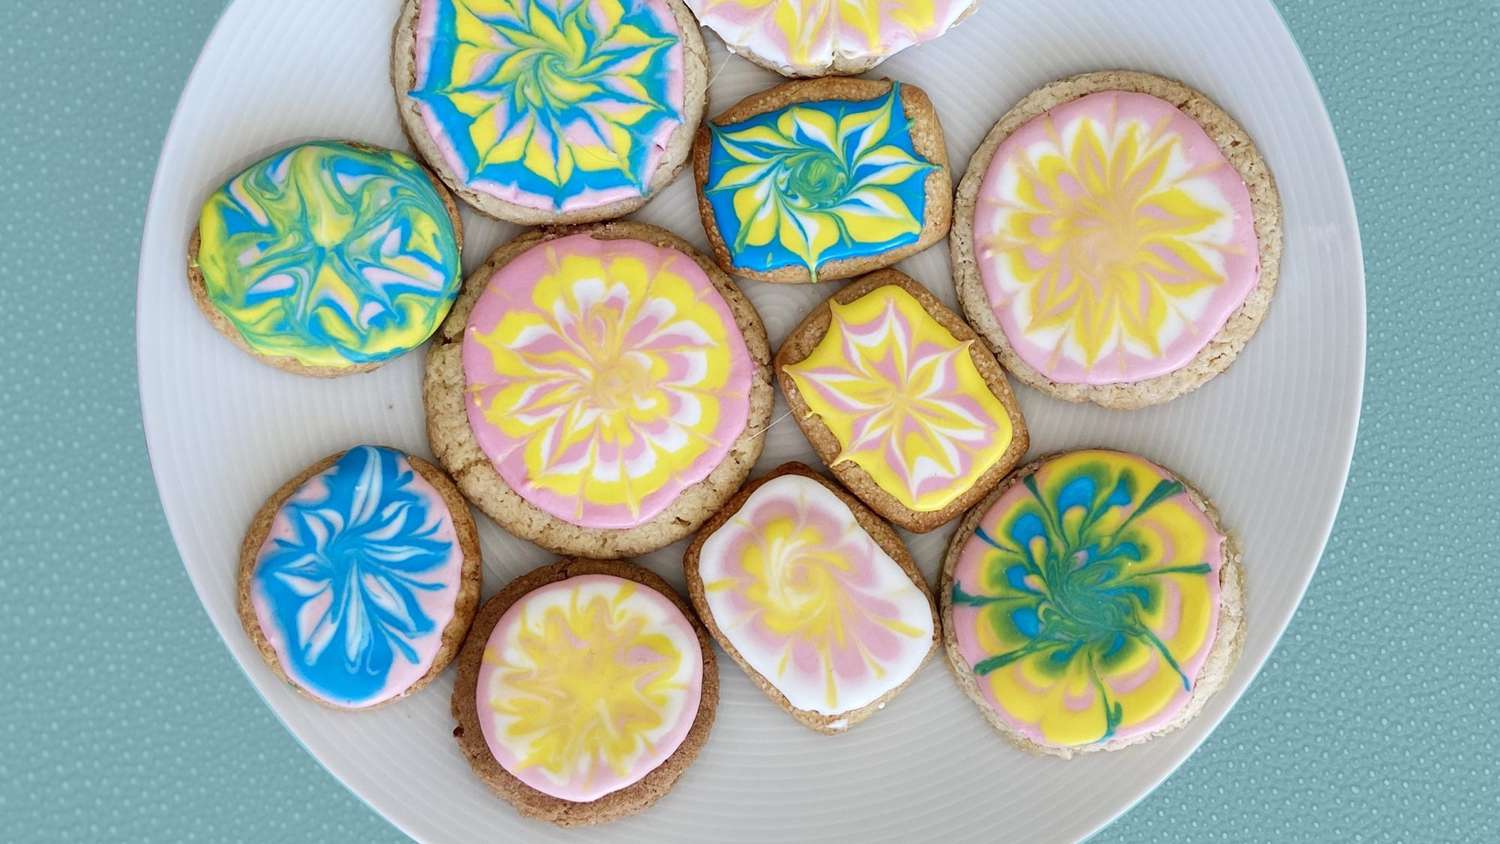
column 123, row 718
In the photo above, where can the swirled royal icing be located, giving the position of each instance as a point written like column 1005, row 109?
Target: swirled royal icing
column 550, row 104
column 817, row 182
column 804, row 37
column 357, row 579
column 904, row 399
column 811, row 601
column 1113, row 239
column 604, row 377
column 1087, row 600
column 332, row 254
column 587, row 685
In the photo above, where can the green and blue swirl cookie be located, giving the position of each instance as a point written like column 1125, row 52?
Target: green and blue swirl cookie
column 327, row 257
column 823, row 179
column 550, row 111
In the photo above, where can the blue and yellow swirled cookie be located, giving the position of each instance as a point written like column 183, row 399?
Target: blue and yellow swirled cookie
column 550, row 111
column 823, row 179
column 359, row 577
column 327, row 257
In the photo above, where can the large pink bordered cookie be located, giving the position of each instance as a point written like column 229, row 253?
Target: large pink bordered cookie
column 599, row 391
column 1117, row 239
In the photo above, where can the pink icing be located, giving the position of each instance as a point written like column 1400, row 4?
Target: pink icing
column 512, row 289
column 1211, row 178
column 602, row 779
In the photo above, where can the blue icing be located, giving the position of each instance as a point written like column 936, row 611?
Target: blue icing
column 343, row 590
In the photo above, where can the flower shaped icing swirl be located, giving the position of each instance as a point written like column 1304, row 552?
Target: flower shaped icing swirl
column 1087, row 600
column 604, row 377
column 1114, row 239
column 587, row 685
column 550, row 104
column 904, row 399
column 331, row 254
column 805, row 36
column 811, row 601
column 816, row 182
column 357, row 579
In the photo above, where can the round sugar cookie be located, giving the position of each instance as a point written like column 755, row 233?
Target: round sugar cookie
column 359, row 577
column 584, row 691
column 599, row 391
column 814, row 596
column 817, row 37
column 550, row 111
column 1092, row 602
column 327, row 258
column 1117, row 239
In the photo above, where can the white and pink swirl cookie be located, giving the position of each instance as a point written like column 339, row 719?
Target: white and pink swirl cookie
column 901, row 400
column 599, row 391
column 584, row 691
column 814, row 596
column 817, row 37
column 358, row 578
column 1117, row 239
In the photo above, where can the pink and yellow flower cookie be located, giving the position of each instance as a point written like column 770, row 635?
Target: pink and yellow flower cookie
column 599, row 391
column 814, row 596
column 901, row 401
column 1117, row 239
column 814, row 37
column 584, row 691
column 1092, row 602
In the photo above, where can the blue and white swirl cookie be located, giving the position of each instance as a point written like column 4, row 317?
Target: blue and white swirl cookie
column 327, row 257
column 359, row 577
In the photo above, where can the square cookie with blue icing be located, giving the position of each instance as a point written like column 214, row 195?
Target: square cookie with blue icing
column 823, row 179
column 814, row 596
column 901, row 400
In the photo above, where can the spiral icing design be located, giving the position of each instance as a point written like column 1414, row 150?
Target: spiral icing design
column 1087, row 600
column 550, row 104
column 331, row 254
column 817, row 182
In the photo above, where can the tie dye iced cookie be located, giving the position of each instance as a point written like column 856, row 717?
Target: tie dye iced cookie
column 584, row 691
column 1092, row 602
column 814, row 37
column 823, row 179
column 327, row 258
column 599, row 391
column 359, row 577
column 814, row 596
column 901, row 400
column 550, row 111
column 1117, row 239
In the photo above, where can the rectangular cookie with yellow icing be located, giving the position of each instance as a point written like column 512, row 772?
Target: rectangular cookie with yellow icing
column 823, row 179
column 901, row 401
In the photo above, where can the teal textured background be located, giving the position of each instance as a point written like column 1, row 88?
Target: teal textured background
column 122, row 717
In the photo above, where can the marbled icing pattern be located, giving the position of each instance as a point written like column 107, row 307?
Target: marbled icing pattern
column 604, row 377
column 904, row 399
column 1114, row 239
column 817, row 182
column 811, row 601
column 332, row 254
column 806, row 36
column 587, row 685
column 1087, row 599
column 550, row 104
column 357, row 579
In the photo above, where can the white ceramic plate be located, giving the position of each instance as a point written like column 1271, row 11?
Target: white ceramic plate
column 1270, row 440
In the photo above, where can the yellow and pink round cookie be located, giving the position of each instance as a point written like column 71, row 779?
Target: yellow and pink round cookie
column 599, row 392
column 814, row 596
column 1092, row 602
column 584, row 691
column 817, row 37
column 1117, row 239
